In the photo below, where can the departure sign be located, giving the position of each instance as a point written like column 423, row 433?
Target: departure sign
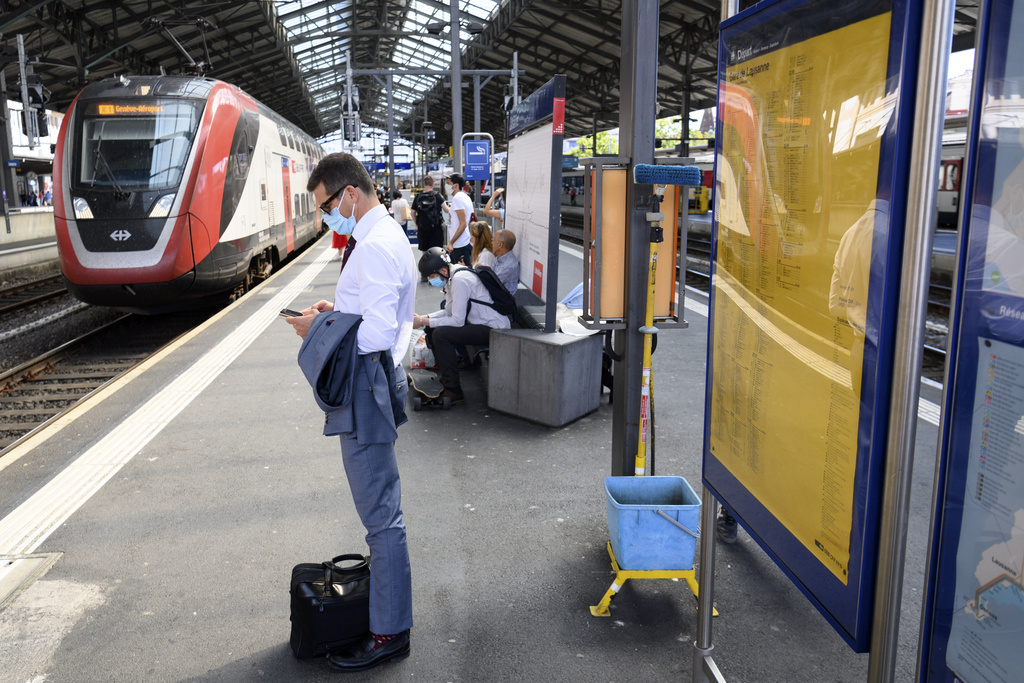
column 809, row 98
column 128, row 109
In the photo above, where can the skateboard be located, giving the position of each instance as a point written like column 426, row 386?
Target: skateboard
column 425, row 390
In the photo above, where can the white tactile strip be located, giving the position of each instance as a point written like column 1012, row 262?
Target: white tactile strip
column 25, row 529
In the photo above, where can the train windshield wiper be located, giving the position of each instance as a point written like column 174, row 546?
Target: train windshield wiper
column 102, row 159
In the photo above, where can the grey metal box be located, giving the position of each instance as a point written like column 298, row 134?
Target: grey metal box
column 550, row 378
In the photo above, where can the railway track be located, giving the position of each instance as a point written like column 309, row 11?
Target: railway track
column 26, row 294
column 41, row 390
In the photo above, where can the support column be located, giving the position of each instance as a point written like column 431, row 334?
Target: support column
column 638, row 85
column 456, row 89
column 391, row 134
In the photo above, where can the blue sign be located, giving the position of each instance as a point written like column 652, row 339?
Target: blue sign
column 802, row 329
column 477, row 156
column 12, row 163
column 974, row 604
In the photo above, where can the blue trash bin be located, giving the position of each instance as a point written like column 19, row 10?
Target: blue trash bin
column 642, row 539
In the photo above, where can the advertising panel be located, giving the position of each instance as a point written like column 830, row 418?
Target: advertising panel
column 808, row 209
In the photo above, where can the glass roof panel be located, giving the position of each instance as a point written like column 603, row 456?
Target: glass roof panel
column 320, row 32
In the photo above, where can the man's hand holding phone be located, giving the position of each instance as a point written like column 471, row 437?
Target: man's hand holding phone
column 303, row 320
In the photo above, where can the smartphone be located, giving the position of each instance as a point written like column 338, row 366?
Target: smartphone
column 289, row 313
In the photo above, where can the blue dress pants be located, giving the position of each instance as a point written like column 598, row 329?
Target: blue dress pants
column 372, row 471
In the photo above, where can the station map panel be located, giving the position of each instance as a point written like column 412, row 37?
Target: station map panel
column 975, row 601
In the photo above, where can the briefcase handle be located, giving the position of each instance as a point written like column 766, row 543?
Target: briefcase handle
column 332, row 567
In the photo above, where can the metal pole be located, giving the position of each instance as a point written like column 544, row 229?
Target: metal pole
column 476, row 126
column 704, row 669
column 456, row 89
column 637, row 111
column 929, row 107
column 391, row 135
column 515, row 78
column 10, row 175
column 28, row 113
column 730, row 8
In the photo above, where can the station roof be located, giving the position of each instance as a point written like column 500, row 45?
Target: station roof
column 291, row 55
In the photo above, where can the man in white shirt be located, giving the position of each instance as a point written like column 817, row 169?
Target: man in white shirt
column 467, row 317
column 461, row 210
column 377, row 282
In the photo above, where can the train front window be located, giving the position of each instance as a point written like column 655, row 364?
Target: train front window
column 136, row 146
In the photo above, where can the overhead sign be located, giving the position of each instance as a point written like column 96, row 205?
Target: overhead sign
column 12, row 163
column 809, row 194
column 477, row 155
column 974, row 607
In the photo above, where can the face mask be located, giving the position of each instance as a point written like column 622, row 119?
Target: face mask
column 338, row 223
column 436, row 281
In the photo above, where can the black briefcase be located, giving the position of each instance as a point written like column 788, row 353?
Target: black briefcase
column 330, row 604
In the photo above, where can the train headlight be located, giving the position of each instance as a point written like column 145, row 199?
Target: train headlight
column 162, row 207
column 82, row 210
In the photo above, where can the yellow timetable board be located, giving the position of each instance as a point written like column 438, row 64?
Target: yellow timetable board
column 797, row 184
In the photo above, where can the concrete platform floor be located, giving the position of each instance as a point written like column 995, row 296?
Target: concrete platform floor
column 177, row 568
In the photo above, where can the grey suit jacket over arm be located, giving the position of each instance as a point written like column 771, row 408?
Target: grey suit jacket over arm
column 356, row 392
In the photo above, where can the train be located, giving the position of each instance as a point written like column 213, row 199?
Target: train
column 176, row 192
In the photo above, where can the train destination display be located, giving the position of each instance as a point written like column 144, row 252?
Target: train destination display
column 808, row 103
column 974, row 612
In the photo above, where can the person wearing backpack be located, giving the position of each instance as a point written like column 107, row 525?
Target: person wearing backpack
column 469, row 314
column 427, row 212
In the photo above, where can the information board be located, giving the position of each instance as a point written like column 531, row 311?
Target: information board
column 533, row 191
column 975, row 601
column 809, row 206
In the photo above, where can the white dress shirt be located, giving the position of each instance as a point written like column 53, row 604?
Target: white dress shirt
column 462, row 287
column 379, row 283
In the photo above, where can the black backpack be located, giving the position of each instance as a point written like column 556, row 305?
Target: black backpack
column 501, row 301
column 427, row 206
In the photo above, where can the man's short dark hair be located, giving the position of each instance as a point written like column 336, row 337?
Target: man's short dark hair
column 457, row 179
column 340, row 170
column 428, row 181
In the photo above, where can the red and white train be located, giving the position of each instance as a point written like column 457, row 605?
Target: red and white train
column 174, row 191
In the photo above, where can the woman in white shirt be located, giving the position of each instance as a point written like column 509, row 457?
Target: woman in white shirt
column 400, row 210
column 480, row 238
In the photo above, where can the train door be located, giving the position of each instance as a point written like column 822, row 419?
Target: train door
column 273, row 189
column 286, row 204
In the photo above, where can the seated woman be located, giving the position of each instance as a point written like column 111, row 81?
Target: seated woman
column 480, row 238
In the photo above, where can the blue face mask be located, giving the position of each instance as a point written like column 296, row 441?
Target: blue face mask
column 338, row 223
column 436, row 281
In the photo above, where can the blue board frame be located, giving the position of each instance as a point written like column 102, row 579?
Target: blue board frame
column 759, row 30
column 982, row 315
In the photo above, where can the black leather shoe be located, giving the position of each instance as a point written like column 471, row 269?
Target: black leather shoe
column 362, row 656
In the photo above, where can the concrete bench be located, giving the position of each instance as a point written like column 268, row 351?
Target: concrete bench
column 549, row 378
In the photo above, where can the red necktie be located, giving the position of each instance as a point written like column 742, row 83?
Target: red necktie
column 348, row 250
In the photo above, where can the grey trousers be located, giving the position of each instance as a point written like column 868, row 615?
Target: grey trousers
column 372, row 472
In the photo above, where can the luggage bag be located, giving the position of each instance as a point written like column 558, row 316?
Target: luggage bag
column 330, row 604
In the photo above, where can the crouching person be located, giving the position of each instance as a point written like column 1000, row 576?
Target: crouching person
column 467, row 318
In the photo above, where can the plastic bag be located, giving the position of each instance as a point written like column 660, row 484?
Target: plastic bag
column 422, row 357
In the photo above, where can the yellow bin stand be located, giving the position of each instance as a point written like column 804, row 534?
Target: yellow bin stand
column 623, row 575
